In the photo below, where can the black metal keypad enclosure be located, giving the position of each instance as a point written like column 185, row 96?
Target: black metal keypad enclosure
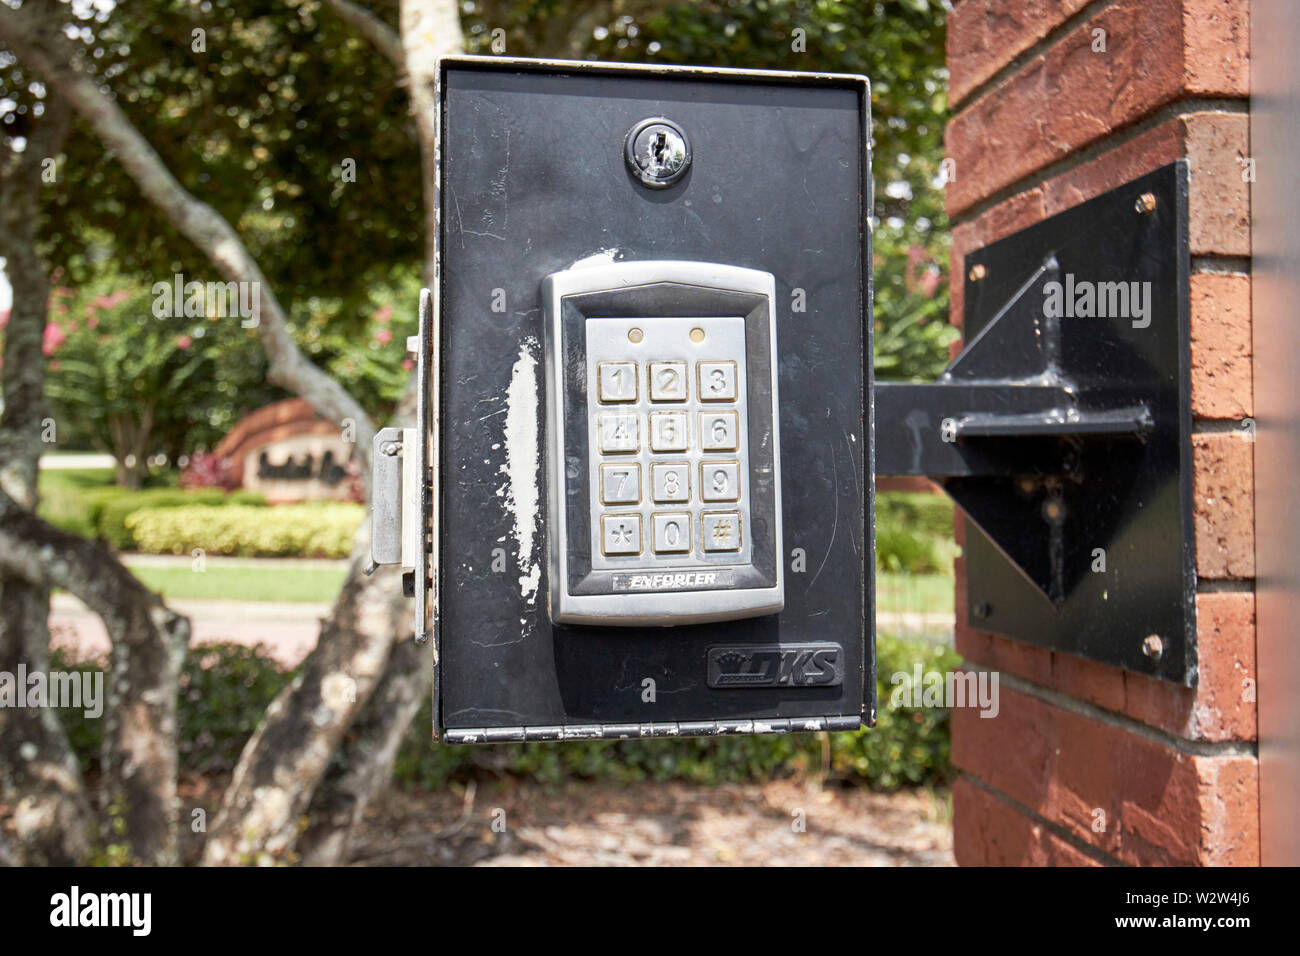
column 763, row 175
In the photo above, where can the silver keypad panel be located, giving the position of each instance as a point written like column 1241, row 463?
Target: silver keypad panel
column 668, row 442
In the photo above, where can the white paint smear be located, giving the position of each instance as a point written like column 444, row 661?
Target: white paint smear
column 522, row 466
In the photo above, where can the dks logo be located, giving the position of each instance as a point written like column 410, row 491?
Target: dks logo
column 777, row 665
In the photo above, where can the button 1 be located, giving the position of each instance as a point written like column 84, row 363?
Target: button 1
column 620, row 534
column 720, row 530
column 719, row 431
column 720, row 480
column 671, row 481
column 620, row 484
column 667, row 381
column 620, row 433
column 672, row 533
column 617, row 381
column 717, row 381
column 668, row 431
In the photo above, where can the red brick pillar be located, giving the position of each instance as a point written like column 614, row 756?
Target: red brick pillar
column 1054, row 103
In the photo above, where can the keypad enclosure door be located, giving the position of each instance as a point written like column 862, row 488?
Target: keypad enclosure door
column 533, row 180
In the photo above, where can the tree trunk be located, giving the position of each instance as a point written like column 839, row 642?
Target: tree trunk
column 39, row 776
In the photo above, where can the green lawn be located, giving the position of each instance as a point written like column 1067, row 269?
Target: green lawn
column 224, row 583
column 919, row 593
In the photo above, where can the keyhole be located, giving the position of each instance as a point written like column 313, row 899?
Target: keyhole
column 660, row 147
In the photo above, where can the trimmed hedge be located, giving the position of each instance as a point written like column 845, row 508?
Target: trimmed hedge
column 101, row 513
column 914, row 532
column 323, row 529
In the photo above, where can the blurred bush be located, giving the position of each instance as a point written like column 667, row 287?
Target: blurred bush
column 914, row 532
column 318, row 529
column 224, row 691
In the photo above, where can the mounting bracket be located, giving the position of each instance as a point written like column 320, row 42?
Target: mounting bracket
column 1063, row 431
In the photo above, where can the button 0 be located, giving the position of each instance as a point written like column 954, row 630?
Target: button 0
column 717, row 381
column 620, row 433
column 668, row 431
column 617, row 381
column 667, row 381
column 620, row 484
column 720, row 530
column 620, row 534
column 719, row 431
column 671, row 481
column 720, row 480
column 672, row 532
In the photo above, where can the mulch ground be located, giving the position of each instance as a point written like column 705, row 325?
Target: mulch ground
column 786, row 822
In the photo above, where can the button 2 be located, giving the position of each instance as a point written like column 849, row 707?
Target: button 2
column 667, row 381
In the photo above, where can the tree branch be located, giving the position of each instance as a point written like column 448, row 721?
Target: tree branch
column 33, row 34
column 384, row 37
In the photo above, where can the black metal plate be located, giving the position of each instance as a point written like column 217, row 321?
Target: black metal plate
column 533, row 179
column 1132, row 499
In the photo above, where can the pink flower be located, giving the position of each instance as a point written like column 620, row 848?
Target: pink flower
column 408, row 364
column 92, row 322
column 52, row 339
column 184, row 342
column 384, row 336
column 384, row 314
column 4, row 318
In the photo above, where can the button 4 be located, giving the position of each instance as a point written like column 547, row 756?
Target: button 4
column 620, row 433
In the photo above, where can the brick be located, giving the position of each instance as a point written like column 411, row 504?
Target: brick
column 986, row 35
column 1162, row 806
column 1222, row 706
column 1222, row 383
column 1068, row 97
column 988, row 831
column 1098, row 684
column 1224, row 505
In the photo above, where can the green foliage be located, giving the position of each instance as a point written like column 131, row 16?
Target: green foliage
column 224, row 691
column 914, row 533
column 908, row 746
column 323, row 529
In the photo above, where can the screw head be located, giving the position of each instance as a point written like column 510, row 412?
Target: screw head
column 981, row 610
column 1153, row 647
column 657, row 152
column 977, row 272
column 1146, row 203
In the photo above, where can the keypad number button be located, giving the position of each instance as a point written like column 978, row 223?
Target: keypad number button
column 719, row 431
column 720, row 481
column 621, row 534
column 672, row 533
column 720, row 530
column 620, row 484
column 717, row 381
column 619, row 434
column 668, row 382
column 668, row 431
column 671, row 481
column 617, row 381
